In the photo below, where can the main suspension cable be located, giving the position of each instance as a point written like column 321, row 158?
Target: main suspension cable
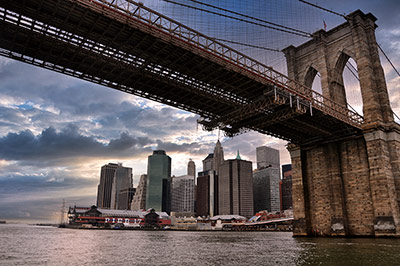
column 322, row 8
column 251, row 17
column 239, row 19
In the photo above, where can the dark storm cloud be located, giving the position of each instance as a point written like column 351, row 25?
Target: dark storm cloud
column 57, row 100
column 191, row 148
column 54, row 147
column 50, row 145
column 126, row 141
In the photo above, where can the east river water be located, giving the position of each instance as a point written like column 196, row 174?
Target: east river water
column 32, row 245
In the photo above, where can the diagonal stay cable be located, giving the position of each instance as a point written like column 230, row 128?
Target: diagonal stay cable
column 249, row 45
column 352, row 66
column 387, row 58
column 352, row 71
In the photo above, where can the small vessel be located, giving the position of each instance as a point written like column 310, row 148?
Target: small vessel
column 62, row 214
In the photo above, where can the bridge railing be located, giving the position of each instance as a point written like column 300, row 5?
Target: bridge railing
column 138, row 11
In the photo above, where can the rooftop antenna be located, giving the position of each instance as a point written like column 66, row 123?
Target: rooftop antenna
column 238, row 156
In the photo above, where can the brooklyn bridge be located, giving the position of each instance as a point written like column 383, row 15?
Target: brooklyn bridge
column 346, row 179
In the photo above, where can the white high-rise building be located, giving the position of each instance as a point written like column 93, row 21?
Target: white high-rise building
column 139, row 199
column 122, row 181
column 182, row 191
column 267, row 157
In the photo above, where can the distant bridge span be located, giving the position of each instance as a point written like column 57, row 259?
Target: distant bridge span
column 129, row 47
column 346, row 168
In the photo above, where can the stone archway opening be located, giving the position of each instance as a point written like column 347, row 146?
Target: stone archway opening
column 313, row 80
column 348, row 82
column 352, row 87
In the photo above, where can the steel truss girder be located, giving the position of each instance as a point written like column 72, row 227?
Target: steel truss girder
column 246, row 111
column 155, row 73
column 222, row 93
column 135, row 15
column 267, row 120
column 84, row 47
column 262, row 72
column 214, row 90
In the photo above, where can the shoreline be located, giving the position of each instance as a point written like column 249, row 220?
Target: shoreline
column 173, row 229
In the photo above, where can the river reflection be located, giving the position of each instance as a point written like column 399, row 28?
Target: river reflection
column 29, row 245
column 349, row 251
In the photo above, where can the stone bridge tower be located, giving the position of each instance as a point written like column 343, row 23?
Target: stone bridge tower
column 348, row 186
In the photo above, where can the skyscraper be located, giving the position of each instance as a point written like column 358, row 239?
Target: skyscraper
column 208, row 162
column 235, row 188
column 207, row 183
column 218, row 158
column 266, row 189
column 267, row 157
column 286, row 187
column 182, row 191
column 122, row 184
column 114, row 181
column 139, row 199
column 266, row 180
column 207, row 194
column 158, row 194
column 191, row 168
column 125, row 198
column 104, row 188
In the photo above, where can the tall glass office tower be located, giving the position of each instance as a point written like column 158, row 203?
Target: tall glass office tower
column 158, row 194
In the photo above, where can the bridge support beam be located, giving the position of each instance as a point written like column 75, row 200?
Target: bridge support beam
column 393, row 141
column 347, row 188
column 299, row 193
column 384, row 192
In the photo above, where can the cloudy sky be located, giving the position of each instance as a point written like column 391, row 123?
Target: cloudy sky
column 57, row 131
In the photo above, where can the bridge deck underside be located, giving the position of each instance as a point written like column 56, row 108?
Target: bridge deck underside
column 72, row 39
